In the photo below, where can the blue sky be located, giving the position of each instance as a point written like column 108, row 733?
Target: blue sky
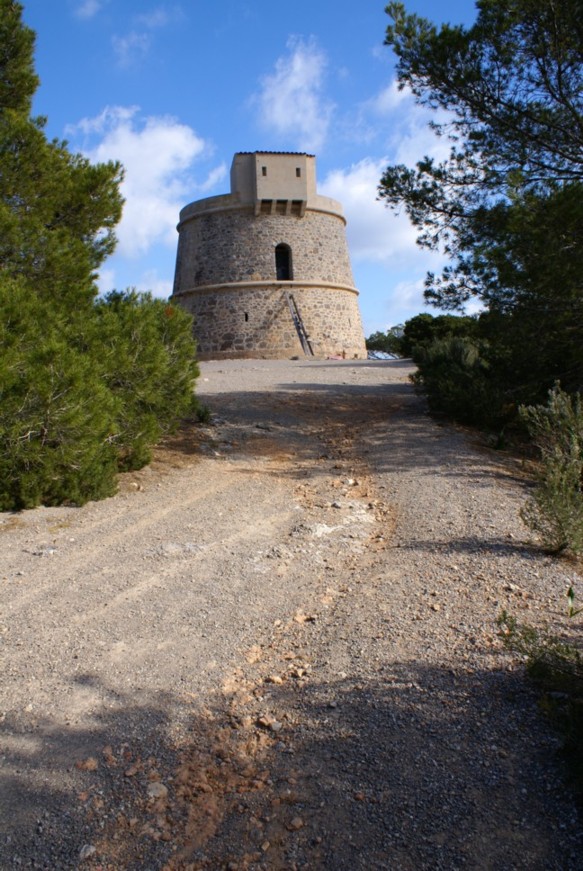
column 173, row 89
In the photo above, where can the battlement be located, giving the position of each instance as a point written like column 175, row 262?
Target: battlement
column 271, row 183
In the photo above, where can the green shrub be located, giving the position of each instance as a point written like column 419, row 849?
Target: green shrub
column 557, row 669
column 147, row 357
column 555, row 511
column 387, row 343
column 454, row 374
column 556, row 665
column 81, row 398
column 424, row 329
column 85, row 386
column 56, row 414
column 203, row 414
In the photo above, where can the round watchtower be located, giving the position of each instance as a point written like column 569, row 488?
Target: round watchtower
column 265, row 270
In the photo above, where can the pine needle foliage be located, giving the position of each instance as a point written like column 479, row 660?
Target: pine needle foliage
column 555, row 511
column 504, row 201
column 87, row 386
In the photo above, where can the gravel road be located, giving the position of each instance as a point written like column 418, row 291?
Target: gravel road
column 276, row 647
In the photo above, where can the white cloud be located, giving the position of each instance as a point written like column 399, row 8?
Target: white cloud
column 382, row 246
column 473, row 307
column 159, row 17
column 374, row 234
column 106, row 281
column 408, row 295
column 398, row 126
column 89, row 8
column 415, row 139
column 151, row 281
column 389, row 99
column 152, row 20
column 291, row 102
column 379, row 52
column 214, row 177
column 157, row 154
column 112, row 116
column 132, row 48
column 135, row 46
column 403, row 301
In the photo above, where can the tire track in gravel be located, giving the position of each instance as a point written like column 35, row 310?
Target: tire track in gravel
column 162, row 578
column 125, row 526
column 327, row 697
column 137, row 600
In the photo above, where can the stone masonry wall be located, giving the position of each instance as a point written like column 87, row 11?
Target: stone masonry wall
column 256, row 322
column 235, row 245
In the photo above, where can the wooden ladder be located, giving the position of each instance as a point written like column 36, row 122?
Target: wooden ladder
column 299, row 324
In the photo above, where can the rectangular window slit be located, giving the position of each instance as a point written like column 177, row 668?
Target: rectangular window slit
column 263, row 170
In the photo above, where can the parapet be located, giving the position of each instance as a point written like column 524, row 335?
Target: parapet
column 272, row 183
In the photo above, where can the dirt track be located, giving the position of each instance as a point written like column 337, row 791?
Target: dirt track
column 276, row 647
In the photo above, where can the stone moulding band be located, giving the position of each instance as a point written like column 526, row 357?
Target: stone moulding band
column 186, row 217
column 282, row 285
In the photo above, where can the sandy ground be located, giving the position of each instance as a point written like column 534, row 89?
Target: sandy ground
column 276, row 647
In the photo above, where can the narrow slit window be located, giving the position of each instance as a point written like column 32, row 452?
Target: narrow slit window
column 263, row 170
column 283, row 264
column 246, row 316
column 298, row 172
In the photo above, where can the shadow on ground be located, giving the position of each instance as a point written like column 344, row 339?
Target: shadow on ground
column 388, row 419
column 397, row 773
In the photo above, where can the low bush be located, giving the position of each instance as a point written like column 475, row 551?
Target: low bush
column 84, row 396
column 57, row 419
column 387, row 343
column 555, row 511
column 148, row 363
column 424, row 329
column 557, row 669
column 454, row 374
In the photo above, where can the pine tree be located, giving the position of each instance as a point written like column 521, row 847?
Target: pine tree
column 507, row 204
column 86, row 386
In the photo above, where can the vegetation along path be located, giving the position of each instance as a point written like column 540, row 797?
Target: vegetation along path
column 276, row 647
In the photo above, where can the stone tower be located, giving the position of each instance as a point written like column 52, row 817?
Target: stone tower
column 265, row 269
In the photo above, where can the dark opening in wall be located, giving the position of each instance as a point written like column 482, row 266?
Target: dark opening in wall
column 246, row 316
column 283, row 262
column 298, row 172
column 263, row 170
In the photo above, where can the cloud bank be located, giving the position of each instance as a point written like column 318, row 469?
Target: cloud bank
column 89, row 8
column 291, row 102
column 131, row 48
column 158, row 154
column 374, row 234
